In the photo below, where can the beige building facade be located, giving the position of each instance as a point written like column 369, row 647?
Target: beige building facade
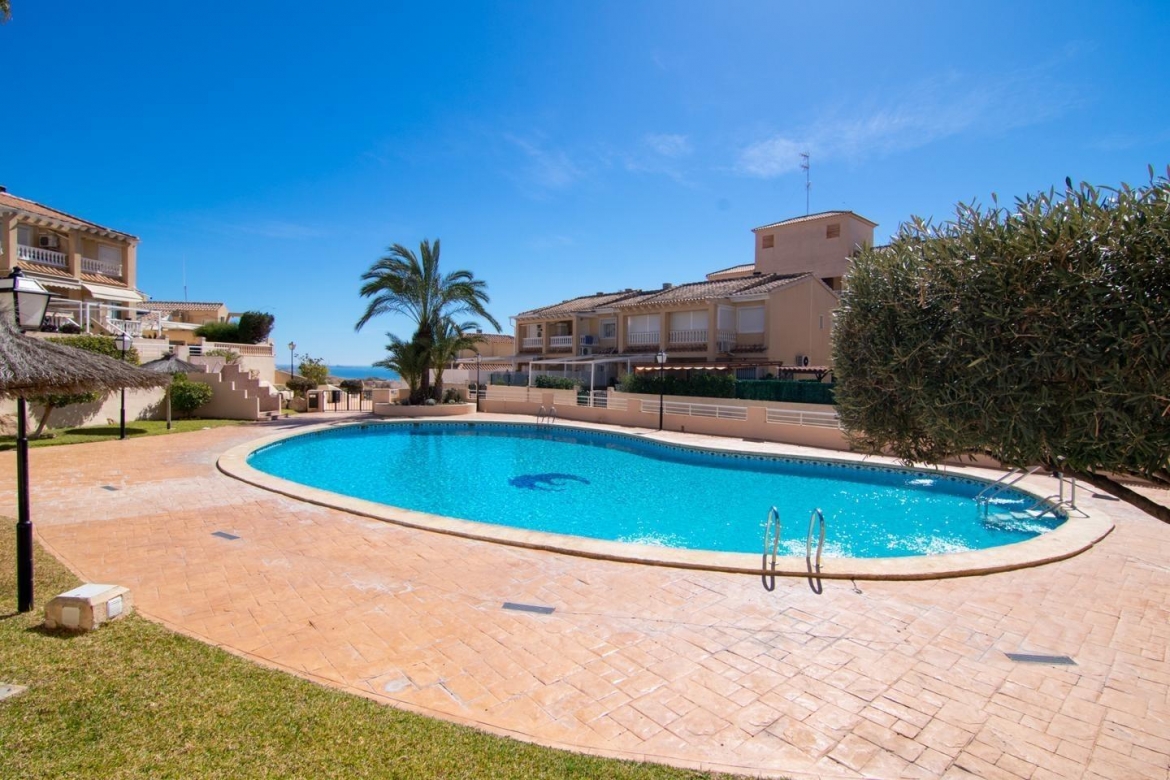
column 772, row 315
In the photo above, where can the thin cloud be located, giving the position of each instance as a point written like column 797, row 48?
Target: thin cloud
column 548, row 169
column 933, row 110
column 670, row 145
column 279, row 229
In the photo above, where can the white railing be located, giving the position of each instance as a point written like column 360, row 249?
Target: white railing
column 727, row 337
column 129, row 327
column 600, row 399
column 34, row 254
column 797, row 417
column 243, row 350
column 717, row 411
column 505, row 393
column 688, row 337
column 104, row 267
column 642, row 339
column 529, row 342
column 560, row 341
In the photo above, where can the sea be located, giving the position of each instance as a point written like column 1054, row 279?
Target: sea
column 361, row 372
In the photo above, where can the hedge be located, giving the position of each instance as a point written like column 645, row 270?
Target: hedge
column 780, row 390
column 703, row 384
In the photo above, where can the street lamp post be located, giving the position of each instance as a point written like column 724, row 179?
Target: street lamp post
column 661, row 358
column 478, row 389
column 124, row 342
column 28, row 302
column 292, row 345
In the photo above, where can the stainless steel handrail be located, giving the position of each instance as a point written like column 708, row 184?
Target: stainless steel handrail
column 812, row 521
column 772, row 540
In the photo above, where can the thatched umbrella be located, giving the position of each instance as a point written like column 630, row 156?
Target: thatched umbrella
column 30, row 367
column 171, row 364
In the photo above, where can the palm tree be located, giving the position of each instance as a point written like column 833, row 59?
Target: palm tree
column 450, row 340
column 412, row 285
column 5, row 11
column 406, row 359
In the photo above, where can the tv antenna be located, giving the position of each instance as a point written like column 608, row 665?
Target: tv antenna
column 807, row 183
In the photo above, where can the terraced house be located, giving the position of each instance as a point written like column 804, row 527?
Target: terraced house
column 774, row 313
column 91, row 267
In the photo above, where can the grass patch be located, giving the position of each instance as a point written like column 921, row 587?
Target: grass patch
column 135, row 700
column 134, row 429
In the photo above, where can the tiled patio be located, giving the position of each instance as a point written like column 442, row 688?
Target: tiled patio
column 877, row 679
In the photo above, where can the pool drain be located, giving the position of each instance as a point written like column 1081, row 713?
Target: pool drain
column 539, row 610
column 1028, row 658
column 224, row 535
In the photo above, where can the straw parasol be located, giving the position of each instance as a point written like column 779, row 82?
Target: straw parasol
column 171, row 364
column 31, row 366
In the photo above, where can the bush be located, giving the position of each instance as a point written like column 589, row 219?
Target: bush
column 228, row 355
column 254, row 326
column 779, row 390
column 187, row 396
column 228, row 332
column 314, row 369
column 554, row 382
column 102, row 345
column 300, row 385
column 451, row 396
column 703, row 384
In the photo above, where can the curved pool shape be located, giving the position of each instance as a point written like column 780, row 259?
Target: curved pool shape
column 629, row 489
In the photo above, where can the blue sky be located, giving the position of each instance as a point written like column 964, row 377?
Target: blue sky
column 556, row 148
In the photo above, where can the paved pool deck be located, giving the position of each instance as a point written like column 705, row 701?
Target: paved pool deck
column 866, row 679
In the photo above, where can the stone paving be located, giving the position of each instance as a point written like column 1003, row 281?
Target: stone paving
column 873, row 679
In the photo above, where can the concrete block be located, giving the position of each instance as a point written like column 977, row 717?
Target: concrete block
column 87, row 606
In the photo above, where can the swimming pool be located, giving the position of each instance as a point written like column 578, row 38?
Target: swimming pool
column 628, row 489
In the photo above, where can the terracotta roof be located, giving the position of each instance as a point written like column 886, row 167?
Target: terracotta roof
column 12, row 203
column 726, row 288
column 100, row 279
column 812, row 217
column 580, row 304
column 735, row 269
column 44, row 270
column 495, row 338
column 180, row 305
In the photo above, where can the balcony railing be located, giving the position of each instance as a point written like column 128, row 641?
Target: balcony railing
column 103, row 267
column 563, row 342
column 688, row 337
column 532, row 342
column 642, row 339
column 34, row 254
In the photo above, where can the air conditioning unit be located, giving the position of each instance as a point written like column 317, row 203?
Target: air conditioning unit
column 801, row 360
column 587, row 339
column 586, row 350
column 49, row 241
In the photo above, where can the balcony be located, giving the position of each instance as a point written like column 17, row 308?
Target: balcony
column 688, row 337
column 35, row 254
column 647, row 339
column 532, row 342
column 103, row 267
column 560, row 342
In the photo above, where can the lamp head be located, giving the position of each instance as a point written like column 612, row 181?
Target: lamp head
column 22, row 295
column 660, row 358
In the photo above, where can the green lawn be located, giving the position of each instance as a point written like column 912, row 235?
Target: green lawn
column 134, row 700
column 134, row 429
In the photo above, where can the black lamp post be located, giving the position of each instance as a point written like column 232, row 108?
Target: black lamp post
column 28, row 302
column 292, row 345
column 124, row 342
column 478, row 388
column 661, row 358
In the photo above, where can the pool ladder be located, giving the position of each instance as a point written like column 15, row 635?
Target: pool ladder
column 816, row 518
column 549, row 417
column 772, row 542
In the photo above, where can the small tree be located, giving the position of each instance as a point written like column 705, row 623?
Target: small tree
column 409, row 359
column 187, row 396
column 1038, row 334
column 300, row 385
column 314, row 369
column 352, row 386
column 254, row 326
column 228, row 355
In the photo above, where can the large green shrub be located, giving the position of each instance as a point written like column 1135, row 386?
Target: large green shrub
column 187, row 396
column 554, row 382
column 1038, row 333
column 300, row 385
column 314, row 369
column 704, row 384
column 224, row 332
column 781, row 390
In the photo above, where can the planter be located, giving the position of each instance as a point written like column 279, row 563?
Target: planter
column 438, row 410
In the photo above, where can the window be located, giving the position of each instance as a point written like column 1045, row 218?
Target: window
column 688, row 320
column 642, row 323
column 768, row 241
column 534, row 331
column 833, row 230
column 750, row 319
column 24, row 235
column 609, row 329
column 110, row 255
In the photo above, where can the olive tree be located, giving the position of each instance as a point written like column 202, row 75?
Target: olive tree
column 1039, row 334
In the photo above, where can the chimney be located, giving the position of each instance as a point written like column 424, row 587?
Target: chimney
column 667, row 285
column 3, row 188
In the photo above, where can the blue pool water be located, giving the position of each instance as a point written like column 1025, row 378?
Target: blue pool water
column 625, row 488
